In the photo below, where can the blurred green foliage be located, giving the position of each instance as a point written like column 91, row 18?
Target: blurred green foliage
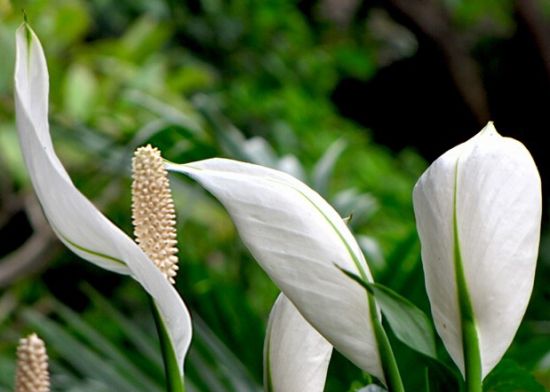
column 244, row 79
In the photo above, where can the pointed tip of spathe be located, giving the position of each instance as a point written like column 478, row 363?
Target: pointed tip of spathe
column 22, row 27
column 490, row 129
column 25, row 31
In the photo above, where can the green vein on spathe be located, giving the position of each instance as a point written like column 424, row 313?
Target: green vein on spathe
column 86, row 250
column 28, row 31
column 470, row 339
column 348, row 247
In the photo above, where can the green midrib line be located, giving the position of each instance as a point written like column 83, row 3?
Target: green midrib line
column 470, row 341
column 89, row 251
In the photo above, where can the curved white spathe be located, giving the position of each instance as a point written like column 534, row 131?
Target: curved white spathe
column 298, row 239
column 296, row 356
column 498, row 214
column 72, row 216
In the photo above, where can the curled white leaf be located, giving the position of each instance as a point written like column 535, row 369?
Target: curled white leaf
column 76, row 221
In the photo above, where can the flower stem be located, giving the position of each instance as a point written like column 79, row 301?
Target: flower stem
column 472, row 359
column 389, row 364
column 174, row 380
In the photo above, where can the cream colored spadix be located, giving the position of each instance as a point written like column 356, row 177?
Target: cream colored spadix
column 72, row 216
column 298, row 239
column 32, row 374
column 296, row 356
column 153, row 212
column 491, row 185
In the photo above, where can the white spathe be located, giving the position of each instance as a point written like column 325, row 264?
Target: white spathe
column 298, row 239
column 76, row 221
column 498, row 214
column 296, row 356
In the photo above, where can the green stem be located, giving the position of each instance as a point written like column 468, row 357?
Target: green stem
column 472, row 359
column 470, row 340
column 389, row 364
column 174, row 380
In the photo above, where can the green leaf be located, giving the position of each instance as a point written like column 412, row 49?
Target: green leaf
column 509, row 376
column 439, row 377
column 409, row 324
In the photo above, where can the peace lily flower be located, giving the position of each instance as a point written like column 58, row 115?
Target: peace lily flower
column 75, row 220
column 302, row 243
column 478, row 212
column 296, row 356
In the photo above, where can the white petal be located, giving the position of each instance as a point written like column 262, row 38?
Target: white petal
column 297, row 238
column 296, row 356
column 73, row 217
column 498, row 213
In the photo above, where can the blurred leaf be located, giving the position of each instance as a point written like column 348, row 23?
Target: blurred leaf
column 7, row 370
column 360, row 205
column 144, row 37
column 322, row 172
column 11, row 158
column 79, row 92
column 137, row 337
column 291, row 165
column 233, row 376
column 192, row 77
column 259, row 151
column 509, row 376
column 373, row 253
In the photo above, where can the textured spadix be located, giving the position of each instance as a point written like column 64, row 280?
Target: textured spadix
column 153, row 212
column 298, row 239
column 73, row 217
column 32, row 373
column 491, row 185
column 296, row 356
